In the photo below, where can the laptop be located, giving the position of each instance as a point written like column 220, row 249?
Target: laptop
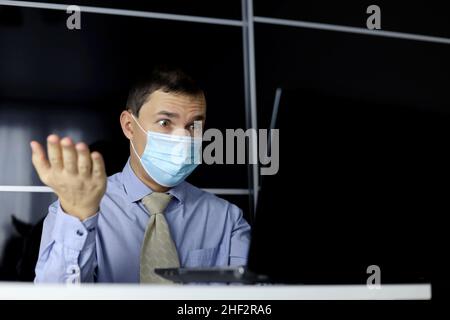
column 355, row 192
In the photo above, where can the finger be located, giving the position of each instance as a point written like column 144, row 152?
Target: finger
column 98, row 165
column 84, row 160
column 54, row 152
column 39, row 159
column 69, row 155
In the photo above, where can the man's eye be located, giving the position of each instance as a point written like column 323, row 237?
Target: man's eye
column 163, row 123
column 195, row 126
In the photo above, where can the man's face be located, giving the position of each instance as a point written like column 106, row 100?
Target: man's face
column 171, row 114
column 168, row 113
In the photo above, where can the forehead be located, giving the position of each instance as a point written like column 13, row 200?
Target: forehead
column 173, row 102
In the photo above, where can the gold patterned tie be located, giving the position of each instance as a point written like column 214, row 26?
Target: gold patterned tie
column 158, row 249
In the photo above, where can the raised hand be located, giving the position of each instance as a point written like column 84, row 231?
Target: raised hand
column 75, row 174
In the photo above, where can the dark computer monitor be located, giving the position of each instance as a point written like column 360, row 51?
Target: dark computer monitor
column 359, row 184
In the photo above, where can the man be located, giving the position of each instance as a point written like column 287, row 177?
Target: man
column 120, row 228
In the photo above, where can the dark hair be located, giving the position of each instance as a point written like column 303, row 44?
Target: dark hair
column 165, row 78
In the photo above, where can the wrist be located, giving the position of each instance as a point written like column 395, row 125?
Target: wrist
column 79, row 212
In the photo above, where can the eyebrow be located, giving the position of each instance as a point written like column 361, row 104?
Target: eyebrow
column 198, row 117
column 176, row 115
column 168, row 114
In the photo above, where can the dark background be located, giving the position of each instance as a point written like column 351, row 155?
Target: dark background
column 75, row 82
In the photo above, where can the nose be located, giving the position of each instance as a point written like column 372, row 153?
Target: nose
column 180, row 131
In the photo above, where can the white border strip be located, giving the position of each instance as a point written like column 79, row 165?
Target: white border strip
column 225, row 191
column 125, row 12
column 28, row 291
column 333, row 27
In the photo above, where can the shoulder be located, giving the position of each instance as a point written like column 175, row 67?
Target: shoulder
column 115, row 179
column 114, row 185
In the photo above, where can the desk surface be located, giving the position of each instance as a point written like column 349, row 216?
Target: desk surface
column 26, row 291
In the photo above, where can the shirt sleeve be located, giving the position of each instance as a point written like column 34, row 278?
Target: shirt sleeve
column 240, row 238
column 67, row 251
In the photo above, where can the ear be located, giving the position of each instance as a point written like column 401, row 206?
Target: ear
column 126, row 122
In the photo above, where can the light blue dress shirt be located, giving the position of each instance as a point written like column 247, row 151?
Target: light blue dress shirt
column 207, row 231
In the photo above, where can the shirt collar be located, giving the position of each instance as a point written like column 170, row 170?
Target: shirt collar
column 136, row 189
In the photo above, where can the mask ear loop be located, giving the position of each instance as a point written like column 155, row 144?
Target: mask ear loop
column 138, row 123
column 134, row 149
column 132, row 145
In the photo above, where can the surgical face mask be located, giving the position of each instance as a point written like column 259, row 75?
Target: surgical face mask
column 168, row 159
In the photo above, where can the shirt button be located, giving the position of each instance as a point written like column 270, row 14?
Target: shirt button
column 73, row 270
column 73, row 280
column 80, row 233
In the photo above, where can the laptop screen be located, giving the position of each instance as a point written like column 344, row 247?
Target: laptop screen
column 358, row 187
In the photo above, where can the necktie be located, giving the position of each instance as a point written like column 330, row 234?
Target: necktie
column 158, row 249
